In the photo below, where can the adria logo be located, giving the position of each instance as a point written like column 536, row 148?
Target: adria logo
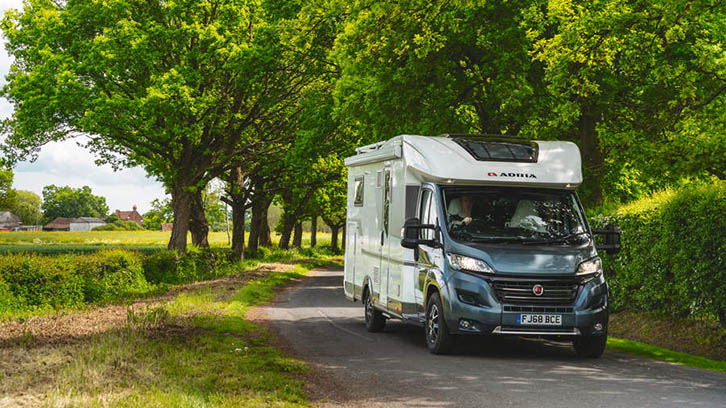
column 520, row 175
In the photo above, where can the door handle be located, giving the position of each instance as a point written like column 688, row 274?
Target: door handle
column 381, row 238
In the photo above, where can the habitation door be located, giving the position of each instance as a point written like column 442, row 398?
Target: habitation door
column 385, row 237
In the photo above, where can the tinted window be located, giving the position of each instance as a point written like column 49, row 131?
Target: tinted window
column 508, row 214
column 411, row 199
column 500, row 150
column 428, row 214
column 386, row 200
column 359, row 186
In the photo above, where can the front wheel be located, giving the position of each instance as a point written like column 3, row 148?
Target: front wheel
column 590, row 346
column 375, row 322
column 438, row 338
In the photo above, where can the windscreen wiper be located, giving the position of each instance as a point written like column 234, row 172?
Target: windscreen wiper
column 556, row 240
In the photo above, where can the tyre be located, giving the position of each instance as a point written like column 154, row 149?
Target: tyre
column 590, row 346
column 375, row 322
column 438, row 338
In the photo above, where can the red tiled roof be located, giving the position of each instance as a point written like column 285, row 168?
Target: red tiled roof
column 132, row 215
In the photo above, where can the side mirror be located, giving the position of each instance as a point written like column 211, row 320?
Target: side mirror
column 612, row 239
column 410, row 233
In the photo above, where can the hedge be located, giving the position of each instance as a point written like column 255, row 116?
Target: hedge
column 37, row 282
column 673, row 257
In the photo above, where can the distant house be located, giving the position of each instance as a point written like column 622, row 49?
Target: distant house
column 132, row 215
column 73, row 224
column 167, row 227
column 59, row 224
column 86, row 223
column 8, row 221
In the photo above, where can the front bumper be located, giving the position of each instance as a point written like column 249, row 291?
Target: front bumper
column 474, row 308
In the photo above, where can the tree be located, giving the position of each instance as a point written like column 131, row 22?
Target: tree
column 424, row 67
column 161, row 212
column 643, row 80
column 72, row 203
column 27, row 207
column 8, row 196
column 185, row 89
column 331, row 201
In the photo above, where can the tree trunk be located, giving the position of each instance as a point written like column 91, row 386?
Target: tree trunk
column 238, row 227
column 255, row 224
column 264, row 238
column 314, row 232
column 181, row 201
column 334, row 238
column 593, row 159
column 198, row 224
column 297, row 237
column 287, row 225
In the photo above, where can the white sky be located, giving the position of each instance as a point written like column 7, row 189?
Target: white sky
column 66, row 164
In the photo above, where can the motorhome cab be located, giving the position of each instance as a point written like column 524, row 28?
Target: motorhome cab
column 472, row 235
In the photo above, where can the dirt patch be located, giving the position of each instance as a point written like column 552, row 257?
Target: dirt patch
column 702, row 338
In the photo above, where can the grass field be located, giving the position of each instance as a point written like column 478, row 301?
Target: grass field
column 88, row 240
column 192, row 347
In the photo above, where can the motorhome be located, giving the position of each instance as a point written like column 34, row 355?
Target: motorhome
column 466, row 234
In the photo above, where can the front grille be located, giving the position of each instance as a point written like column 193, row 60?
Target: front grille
column 557, row 291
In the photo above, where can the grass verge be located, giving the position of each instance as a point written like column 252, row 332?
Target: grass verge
column 660, row 353
column 196, row 349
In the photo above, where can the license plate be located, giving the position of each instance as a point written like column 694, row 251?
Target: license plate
column 539, row 319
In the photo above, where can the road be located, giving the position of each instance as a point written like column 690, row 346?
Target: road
column 394, row 368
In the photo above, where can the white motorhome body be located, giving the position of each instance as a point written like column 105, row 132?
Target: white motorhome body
column 393, row 172
column 387, row 182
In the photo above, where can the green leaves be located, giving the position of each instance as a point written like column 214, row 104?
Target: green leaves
column 71, row 202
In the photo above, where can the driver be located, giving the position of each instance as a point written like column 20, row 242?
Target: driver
column 460, row 210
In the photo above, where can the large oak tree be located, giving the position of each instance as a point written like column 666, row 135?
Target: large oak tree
column 184, row 89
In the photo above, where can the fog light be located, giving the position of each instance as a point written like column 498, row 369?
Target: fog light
column 598, row 327
column 468, row 325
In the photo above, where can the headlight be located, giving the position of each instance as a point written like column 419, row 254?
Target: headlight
column 590, row 268
column 464, row 263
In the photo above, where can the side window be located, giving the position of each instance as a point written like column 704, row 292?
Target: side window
column 411, row 198
column 433, row 218
column 359, row 186
column 424, row 212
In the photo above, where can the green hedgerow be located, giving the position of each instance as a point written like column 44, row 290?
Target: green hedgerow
column 111, row 274
column 673, row 257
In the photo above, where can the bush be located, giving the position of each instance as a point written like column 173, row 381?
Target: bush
column 37, row 282
column 673, row 257
column 197, row 264
column 111, row 274
column 33, row 282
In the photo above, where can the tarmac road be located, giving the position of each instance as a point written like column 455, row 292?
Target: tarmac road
column 394, row 368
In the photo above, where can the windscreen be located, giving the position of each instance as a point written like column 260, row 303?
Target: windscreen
column 519, row 215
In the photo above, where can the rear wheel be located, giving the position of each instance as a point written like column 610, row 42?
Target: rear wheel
column 590, row 346
column 438, row 338
column 375, row 322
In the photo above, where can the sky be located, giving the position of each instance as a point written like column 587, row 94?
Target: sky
column 67, row 164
